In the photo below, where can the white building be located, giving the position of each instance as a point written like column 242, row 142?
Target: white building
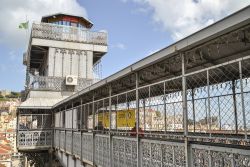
column 63, row 57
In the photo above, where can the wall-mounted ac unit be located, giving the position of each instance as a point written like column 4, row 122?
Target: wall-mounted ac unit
column 71, row 80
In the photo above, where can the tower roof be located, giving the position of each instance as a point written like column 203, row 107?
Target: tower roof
column 87, row 22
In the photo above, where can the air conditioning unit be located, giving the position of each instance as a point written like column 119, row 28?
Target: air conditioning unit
column 71, row 80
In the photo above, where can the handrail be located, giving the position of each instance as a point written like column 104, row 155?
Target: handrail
column 68, row 33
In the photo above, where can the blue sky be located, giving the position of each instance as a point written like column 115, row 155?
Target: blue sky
column 136, row 28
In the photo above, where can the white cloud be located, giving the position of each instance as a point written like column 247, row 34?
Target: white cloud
column 181, row 18
column 119, row 46
column 14, row 12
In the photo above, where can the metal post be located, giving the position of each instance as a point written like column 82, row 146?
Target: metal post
column 103, row 114
column 184, row 106
column 42, row 126
column 174, row 115
column 137, row 119
column 81, row 131
column 110, row 136
column 93, row 113
column 208, row 103
column 60, row 118
column 127, row 107
column 235, row 107
column 206, row 118
column 193, row 106
column 88, row 116
column 242, row 100
column 116, row 113
column 64, row 144
column 72, row 126
column 149, row 99
column 17, row 130
column 81, row 116
column 219, row 112
column 52, row 127
column 144, row 116
column 210, row 158
column 165, row 108
column 85, row 117
column 59, row 132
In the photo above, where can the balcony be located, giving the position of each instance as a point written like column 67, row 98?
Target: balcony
column 34, row 131
column 68, row 33
column 34, row 139
column 56, row 83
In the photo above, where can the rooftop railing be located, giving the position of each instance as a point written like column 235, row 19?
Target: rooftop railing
column 68, row 33
column 56, row 83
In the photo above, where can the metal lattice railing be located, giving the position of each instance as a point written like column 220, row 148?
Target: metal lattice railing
column 87, row 147
column 77, row 144
column 207, row 156
column 56, row 83
column 62, row 140
column 124, row 151
column 68, row 33
column 102, row 150
column 152, row 152
column 155, row 153
column 68, row 142
column 33, row 139
column 56, row 138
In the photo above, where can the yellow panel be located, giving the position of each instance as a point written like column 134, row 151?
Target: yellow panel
column 104, row 119
column 126, row 118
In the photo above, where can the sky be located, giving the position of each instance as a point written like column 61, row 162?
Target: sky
column 136, row 28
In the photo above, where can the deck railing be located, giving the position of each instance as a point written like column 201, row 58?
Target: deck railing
column 68, row 33
column 56, row 83
column 123, row 151
column 34, row 139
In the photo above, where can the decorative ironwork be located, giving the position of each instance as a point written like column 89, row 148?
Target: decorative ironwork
column 206, row 156
column 68, row 33
column 47, row 83
column 77, row 144
column 56, row 83
column 87, row 147
column 68, row 142
column 62, row 140
column 124, row 152
column 33, row 139
column 102, row 150
column 156, row 153
column 83, row 83
column 57, row 139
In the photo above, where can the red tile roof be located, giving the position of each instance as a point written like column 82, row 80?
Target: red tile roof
column 6, row 147
column 3, row 151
